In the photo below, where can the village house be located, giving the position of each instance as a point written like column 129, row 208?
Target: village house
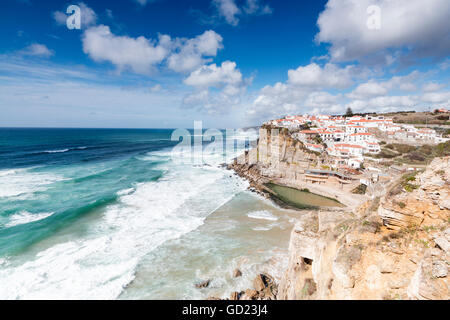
column 314, row 147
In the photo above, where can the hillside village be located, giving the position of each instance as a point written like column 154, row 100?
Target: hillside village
column 388, row 239
column 350, row 139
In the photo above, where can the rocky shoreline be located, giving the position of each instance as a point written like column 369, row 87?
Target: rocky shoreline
column 396, row 246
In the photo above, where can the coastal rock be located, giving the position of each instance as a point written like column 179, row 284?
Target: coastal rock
column 424, row 203
column 235, row 296
column 439, row 269
column 446, row 204
column 237, row 273
column 203, row 284
column 304, row 242
column 345, row 258
column 379, row 248
column 424, row 286
column 250, row 294
column 330, row 219
column 443, row 243
column 262, row 281
column 310, row 287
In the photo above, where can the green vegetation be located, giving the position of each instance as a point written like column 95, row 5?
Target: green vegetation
column 400, row 148
column 425, row 243
column 447, row 133
column 309, row 288
column 427, row 229
column 410, row 117
column 361, row 189
column 420, row 118
column 349, row 112
column 375, row 205
column 405, row 184
column 371, row 226
column 317, row 139
column 405, row 153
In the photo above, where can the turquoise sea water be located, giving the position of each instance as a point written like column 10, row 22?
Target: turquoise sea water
column 54, row 176
column 103, row 214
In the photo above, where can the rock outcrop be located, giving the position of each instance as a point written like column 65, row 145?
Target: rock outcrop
column 393, row 247
column 371, row 254
column 419, row 200
column 276, row 156
column 265, row 288
column 280, row 158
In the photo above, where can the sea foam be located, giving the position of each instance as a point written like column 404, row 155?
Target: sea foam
column 24, row 182
column 24, row 217
column 103, row 262
column 262, row 215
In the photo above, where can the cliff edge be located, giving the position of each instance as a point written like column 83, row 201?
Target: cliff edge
column 395, row 248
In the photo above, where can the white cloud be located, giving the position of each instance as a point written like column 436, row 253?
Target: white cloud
column 37, row 50
column 328, row 76
column 368, row 89
column 445, row 65
column 138, row 54
column 373, row 88
column 189, row 53
column 303, row 91
column 384, row 104
column 144, row 2
column 436, row 97
column 88, row 16
column 226, row 78
column 156, row 88
column 215, row 76
column 312, row 89
column 421, row 27
column 255, row 7
column 322, row 100
column 78, row 96
column 142, row 55
column 231, row 12
column 431, row 87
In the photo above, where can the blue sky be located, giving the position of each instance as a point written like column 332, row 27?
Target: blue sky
column 230, row 63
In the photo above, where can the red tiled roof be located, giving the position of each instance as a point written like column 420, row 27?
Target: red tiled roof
column 348, row 145
column 361, row 134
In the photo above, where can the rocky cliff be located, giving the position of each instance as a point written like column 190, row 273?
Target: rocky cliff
column 282, row 159
column 277, row 155
column 393, row 247
column 397, row 248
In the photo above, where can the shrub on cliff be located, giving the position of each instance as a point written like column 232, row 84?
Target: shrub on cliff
column 361, row 189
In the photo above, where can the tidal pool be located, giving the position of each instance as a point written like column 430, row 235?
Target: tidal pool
column 302, row 199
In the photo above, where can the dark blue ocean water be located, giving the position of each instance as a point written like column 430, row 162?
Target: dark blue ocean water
column 81, row 209
column 67, row 172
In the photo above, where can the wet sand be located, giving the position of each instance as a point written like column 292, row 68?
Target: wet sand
column 248, row 232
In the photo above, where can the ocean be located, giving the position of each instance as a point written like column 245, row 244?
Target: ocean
column 115, row 214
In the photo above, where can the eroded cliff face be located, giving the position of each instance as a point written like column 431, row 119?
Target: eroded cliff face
column 282, row 159
column 277, row 155
column 372, row 253
column 417, row 200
